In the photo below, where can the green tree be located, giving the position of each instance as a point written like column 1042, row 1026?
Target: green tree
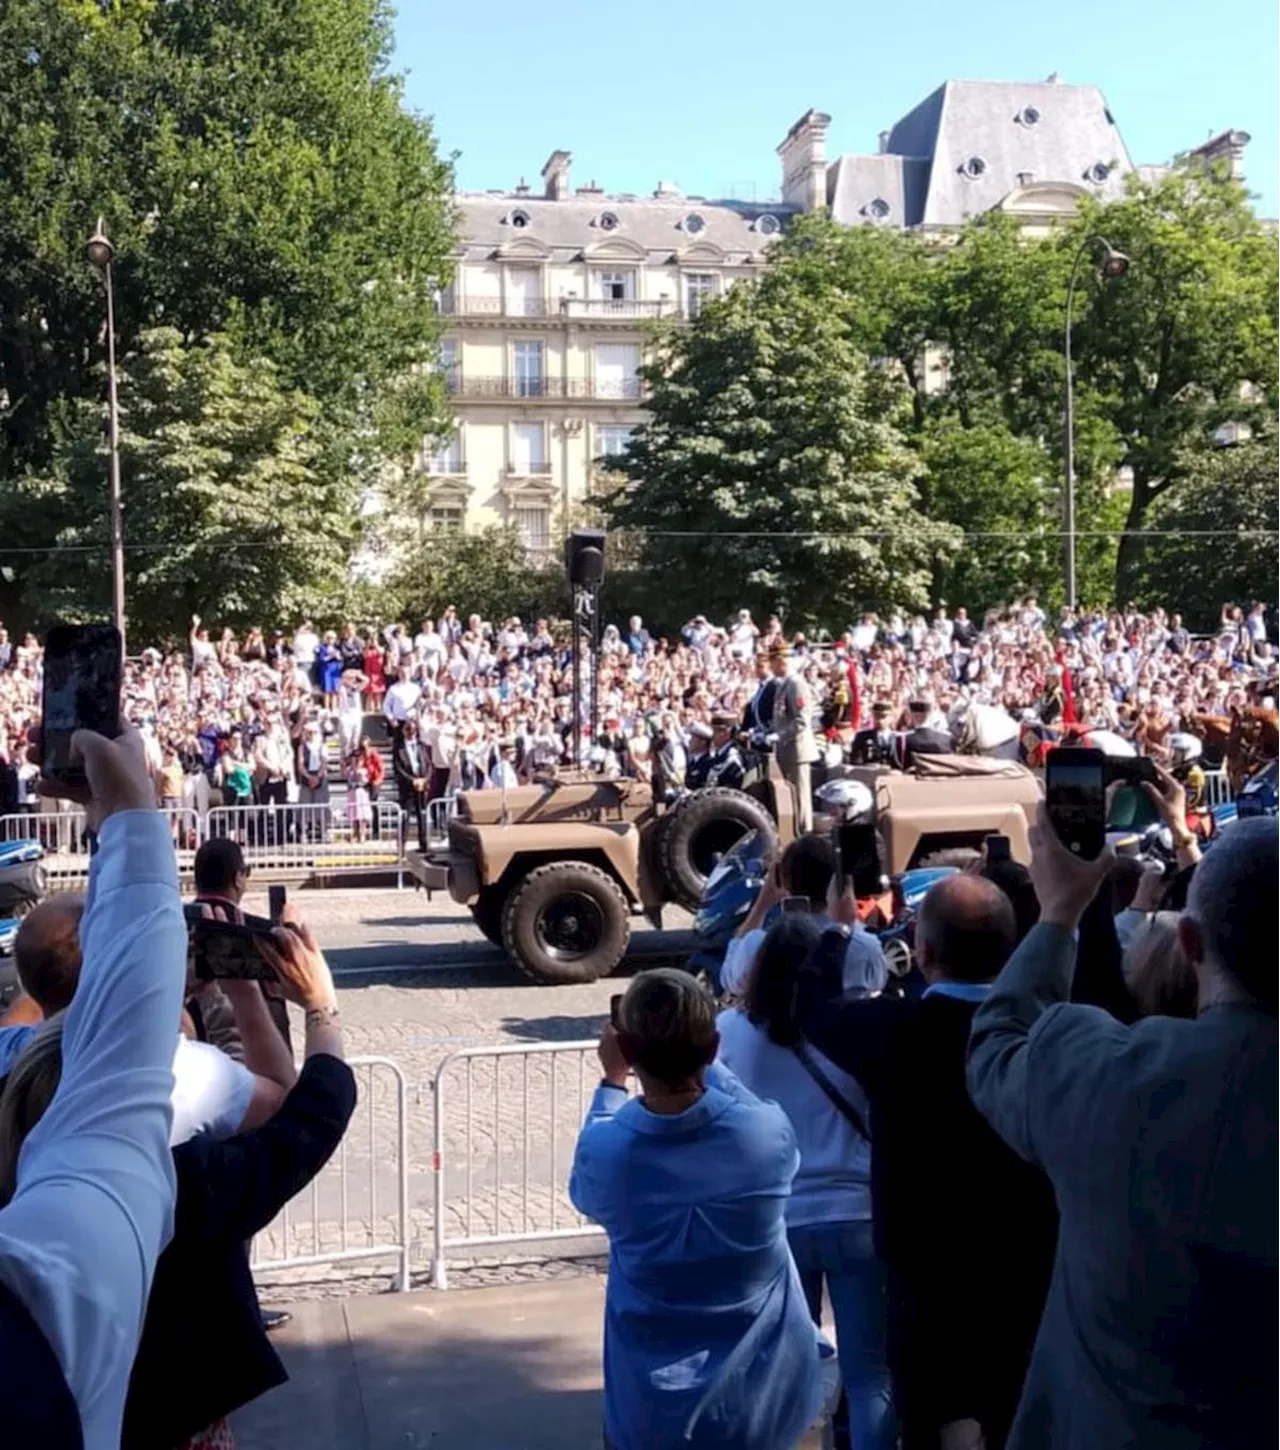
column 260, row 177
column 1214, row 540
column 232, row 509
column 772, row 471
column 487, row 573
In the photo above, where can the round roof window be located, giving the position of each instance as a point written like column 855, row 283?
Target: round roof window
column 608, row 222
column 878, row 208
column 768, row 225
column 1099, row 171
column 1029, row 116
column 519, row 218
column 973, row 167
column 694, row 224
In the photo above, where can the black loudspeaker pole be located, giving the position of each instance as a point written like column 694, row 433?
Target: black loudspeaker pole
column 584, row 564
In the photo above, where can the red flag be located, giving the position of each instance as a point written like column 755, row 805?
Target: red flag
column 855, row 695
column 1069, row 716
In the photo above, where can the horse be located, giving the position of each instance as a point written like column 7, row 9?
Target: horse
column 1254, row 739
column 985, row 730
column 1214, row 732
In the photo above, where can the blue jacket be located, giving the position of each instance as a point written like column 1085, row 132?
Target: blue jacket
column 708, row 1341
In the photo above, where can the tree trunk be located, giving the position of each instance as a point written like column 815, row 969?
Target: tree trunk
column 1129, row 554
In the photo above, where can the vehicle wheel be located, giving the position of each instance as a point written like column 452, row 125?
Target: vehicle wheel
column 960, row 856
column 566, row 922
column 487, row 914
column 708, row 824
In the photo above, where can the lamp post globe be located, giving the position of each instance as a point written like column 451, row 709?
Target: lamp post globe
column 99, row 249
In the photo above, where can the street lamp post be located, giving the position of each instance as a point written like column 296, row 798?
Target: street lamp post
column 101, row 253
column 1113, row 265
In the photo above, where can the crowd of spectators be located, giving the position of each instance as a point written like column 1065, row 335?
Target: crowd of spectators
column 259, row 717
column 1039, row 1188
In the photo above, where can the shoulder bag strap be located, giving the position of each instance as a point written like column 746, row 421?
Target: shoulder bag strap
column 833, row 1094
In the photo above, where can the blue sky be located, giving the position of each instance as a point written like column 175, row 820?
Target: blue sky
column 700, row 92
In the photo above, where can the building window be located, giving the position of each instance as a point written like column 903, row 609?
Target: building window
column 616, row 286
column 878, row 208
column 529, row 380
column 446, row 519
column 612, row 439
column 444, row 455
column 450, row 363
column 1098, row 172
column 519, row 218
column 1028, row 116
column 524, row 292
column 528, row 450
column 607, row 221
column 698, row 288
column 694, row 223
column 534, row 526
column 973, row 167
column 616, row 367
column 768, row 225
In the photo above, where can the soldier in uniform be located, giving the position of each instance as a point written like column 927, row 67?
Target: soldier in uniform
column 699, row 763
column 797, row 745
column 725, row 765
column 875, row 745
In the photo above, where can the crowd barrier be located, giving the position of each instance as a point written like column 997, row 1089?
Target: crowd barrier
column 1217, row 788
column 296, row 839
column 438, row 813
column 357, row 1207
column 510, row 1150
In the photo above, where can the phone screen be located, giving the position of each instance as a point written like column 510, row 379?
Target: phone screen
column 615, row 1010
column 998, row 848
column 276, row 898
column 227, row 951
column 795, row 903
column 1132, row 809
column 1075, row 798
column 859, row 852
column 82, row 677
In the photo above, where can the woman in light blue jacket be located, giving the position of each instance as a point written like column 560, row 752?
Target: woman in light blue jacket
column 708, row 1339
column 829, row 1211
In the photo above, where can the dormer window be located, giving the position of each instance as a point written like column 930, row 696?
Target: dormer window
column 1028, row 116
column 877, row 208
column 973, row 167
column 694, row 223
column 1098, row 172
column 607, row 221
column 518, row 218
column 768, row 225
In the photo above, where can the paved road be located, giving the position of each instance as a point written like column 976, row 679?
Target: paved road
column 418, row 982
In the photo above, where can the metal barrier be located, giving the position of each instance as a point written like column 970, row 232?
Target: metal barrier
column 66, row 846
column 313, row 838
column 438, row 813
column 1217, row 788
column 318, row 1226
column 529, row 1202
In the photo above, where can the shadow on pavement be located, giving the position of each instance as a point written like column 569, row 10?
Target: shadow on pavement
column 554, row 1029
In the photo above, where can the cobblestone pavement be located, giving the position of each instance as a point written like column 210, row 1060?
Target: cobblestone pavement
column 417, row 982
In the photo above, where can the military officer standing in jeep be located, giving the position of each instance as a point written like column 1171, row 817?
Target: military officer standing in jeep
column 721, row 762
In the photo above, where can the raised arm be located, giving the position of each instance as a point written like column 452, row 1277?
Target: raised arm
column 93, row 1205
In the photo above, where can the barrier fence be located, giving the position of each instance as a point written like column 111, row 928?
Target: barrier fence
column 1217, row 788
column 438, row 813
column 357, row 1207
column 521, row 1108
column 301, row 839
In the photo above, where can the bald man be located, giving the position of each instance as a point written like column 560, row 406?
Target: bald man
column 964, row 1227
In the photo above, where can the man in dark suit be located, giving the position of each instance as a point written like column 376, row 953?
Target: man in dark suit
column 1160, row 1140
column 411, row 766
column 965, row 1228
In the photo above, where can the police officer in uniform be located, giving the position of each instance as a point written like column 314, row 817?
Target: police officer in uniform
column 725, row 765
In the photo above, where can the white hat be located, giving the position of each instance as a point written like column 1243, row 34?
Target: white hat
column 700, row 731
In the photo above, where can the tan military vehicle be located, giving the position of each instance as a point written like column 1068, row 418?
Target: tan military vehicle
column 552, row 872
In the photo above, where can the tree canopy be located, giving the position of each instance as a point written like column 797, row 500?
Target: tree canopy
column 773, row 472
column 260, row 178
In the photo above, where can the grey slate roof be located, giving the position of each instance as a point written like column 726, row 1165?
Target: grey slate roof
column 929, row 148
column 655, row 224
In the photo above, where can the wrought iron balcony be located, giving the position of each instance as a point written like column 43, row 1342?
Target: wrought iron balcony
column 593, row 309
column 533, row 390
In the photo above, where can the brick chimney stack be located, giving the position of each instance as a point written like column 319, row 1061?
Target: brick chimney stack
column 555, row 176
column 804, row 162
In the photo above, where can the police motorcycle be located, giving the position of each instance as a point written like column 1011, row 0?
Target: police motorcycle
column 739, row 877
column 22, row 884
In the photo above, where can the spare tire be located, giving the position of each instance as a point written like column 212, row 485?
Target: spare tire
column 700, row 831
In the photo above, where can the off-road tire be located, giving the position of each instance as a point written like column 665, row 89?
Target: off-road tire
column 961, row 856
column 529, row 932
column 486, row 912
column 709, row 822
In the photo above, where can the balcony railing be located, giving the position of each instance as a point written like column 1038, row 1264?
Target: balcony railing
column 616, row 390
column 586, row 308
column 541, row 469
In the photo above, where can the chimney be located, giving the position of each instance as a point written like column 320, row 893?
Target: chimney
column 884, row 143
column 1227, row 147
column 523, row 188
column 555, row 176
column 804, row 162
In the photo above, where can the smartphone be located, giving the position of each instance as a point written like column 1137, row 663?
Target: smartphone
column 795, row 903
column 858, row 850
column 1132, row 770
column 1075, row 795
column 998, row 848
column 1132, row 809
column 276, row 898
column 83, row 669
column 228, row 950
column 615, row 1011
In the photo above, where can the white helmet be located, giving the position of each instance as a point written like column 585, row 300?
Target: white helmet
column 849, row 800
column 1185, row 748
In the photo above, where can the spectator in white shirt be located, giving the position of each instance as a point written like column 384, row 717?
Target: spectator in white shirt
column 402, row 700
column 743, row 636
column 305, row 644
